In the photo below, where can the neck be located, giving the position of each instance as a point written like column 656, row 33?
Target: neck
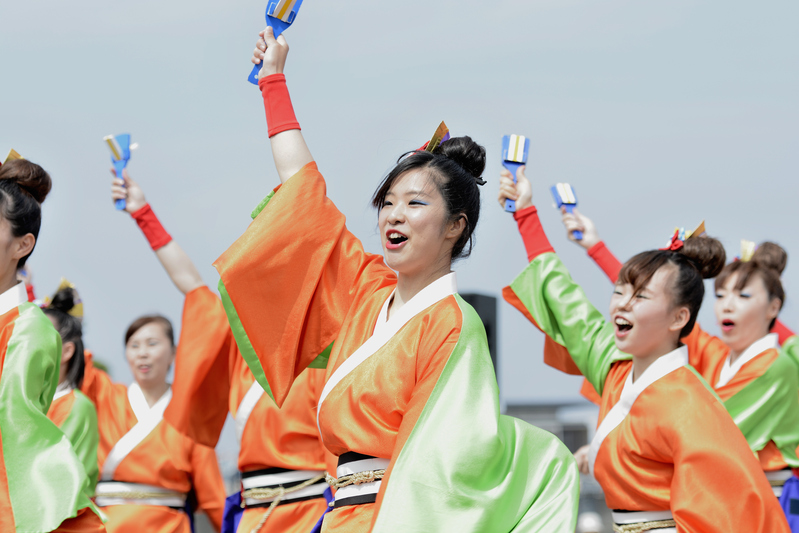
column 735, row 354
column 153, row 393
column 409, row 286
column 642, row 362
column 8, row 280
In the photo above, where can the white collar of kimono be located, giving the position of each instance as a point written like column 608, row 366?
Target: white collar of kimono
column 386, row 328
column 663, row 366
column 248, row 403
column 728, row 371
column 148, row 418
column 13, row 297
column 62, row 390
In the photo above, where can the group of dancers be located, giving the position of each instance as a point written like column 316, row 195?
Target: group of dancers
column 361, row 385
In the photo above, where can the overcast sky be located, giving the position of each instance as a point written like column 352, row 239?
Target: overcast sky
column 658, row 113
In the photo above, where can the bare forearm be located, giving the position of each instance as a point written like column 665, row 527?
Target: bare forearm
column 290, row 153
column 179, row 267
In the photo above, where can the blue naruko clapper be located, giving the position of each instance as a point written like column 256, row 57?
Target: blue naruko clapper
column 278, row 26
column 119, row 164
column 578, row 235
column 515, row 149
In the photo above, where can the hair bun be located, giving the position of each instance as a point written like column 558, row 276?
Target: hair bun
column 707, row 254
column 30, row 177
column 466, row 153
column 771, row 255
column 63, row 300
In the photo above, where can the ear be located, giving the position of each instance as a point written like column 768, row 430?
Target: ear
column 456, row 227
column 67, row 351
column 773, row 309
column 23, row 245
column 680, row 318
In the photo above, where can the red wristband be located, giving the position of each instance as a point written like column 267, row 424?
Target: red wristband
column 277, row 104
column 606, row 260
column 151, row 227
column 535, row 240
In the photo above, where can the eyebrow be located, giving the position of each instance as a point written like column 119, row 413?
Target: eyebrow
column 413, row 193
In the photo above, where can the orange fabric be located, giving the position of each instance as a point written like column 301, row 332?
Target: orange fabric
column 86, row 522
column 589, row 392
column 770, row 458
column 662, row 458
column 6, row 512
column 320, row 278
column 165, row 458
column 60, row 409
column 212, row 379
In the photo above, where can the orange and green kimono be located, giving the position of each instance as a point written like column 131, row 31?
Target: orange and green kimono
column 276, row 446
column 76, row 417
column 43, row 485
column 759, row 389
column 412, row 399
column 665, row 448
column 147, row 469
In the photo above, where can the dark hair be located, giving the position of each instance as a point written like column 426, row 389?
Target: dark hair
column 768, row 262
column 455, row 166
column 700, row 258
column 71, row 330
column 23, row 187
column 142, row 321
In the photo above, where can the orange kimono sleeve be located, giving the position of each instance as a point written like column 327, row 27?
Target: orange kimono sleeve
column 702, row 347
column 201, row 389
column 711, row 456
column 288, row 283
column 208, row 484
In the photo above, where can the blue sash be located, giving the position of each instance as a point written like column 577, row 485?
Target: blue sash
column 789, row 501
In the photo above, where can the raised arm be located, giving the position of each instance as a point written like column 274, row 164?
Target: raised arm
column 591, row 242
column 288, row 145
column 175, row 261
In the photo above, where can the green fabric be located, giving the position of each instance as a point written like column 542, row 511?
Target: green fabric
column 46, row 481
column 791, row 349
column 322, row 359
column 562, row 311
column 260, row 206
column 467, row 468
column 243, row 341
column 767, row 409
column 80, row 427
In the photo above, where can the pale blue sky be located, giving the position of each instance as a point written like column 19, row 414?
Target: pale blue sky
column 658, row 113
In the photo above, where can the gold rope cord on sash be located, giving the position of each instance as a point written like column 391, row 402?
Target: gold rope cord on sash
column 277, row 493
column 358, row 478
column 641, row 527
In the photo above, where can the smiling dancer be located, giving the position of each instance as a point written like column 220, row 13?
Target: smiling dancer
column 149, row 471
column 410, row 406
column 756, row 380
column 71, row 410
column 43, row 486
column 666, row 453
column 280, row 457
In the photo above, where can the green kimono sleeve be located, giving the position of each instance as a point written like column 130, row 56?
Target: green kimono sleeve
column 47, row 484
column 557, row 305
column 767, row 409
column 80, row 427
column 466, row 468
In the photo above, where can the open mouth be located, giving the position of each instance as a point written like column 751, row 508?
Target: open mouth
column 395, row 239
column 623, row 326
column 727, row 325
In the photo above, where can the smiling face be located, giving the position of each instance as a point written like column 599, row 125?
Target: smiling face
column 647, row 323
column 744, row 315
column 149, row 353
column 415, row 229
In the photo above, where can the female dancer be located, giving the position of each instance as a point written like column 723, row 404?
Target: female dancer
column 754, row 378
column 71, row 410
column 280, row 457
column 43, row 486
column 410, row 405
column 149, row 473
column 666, row 453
